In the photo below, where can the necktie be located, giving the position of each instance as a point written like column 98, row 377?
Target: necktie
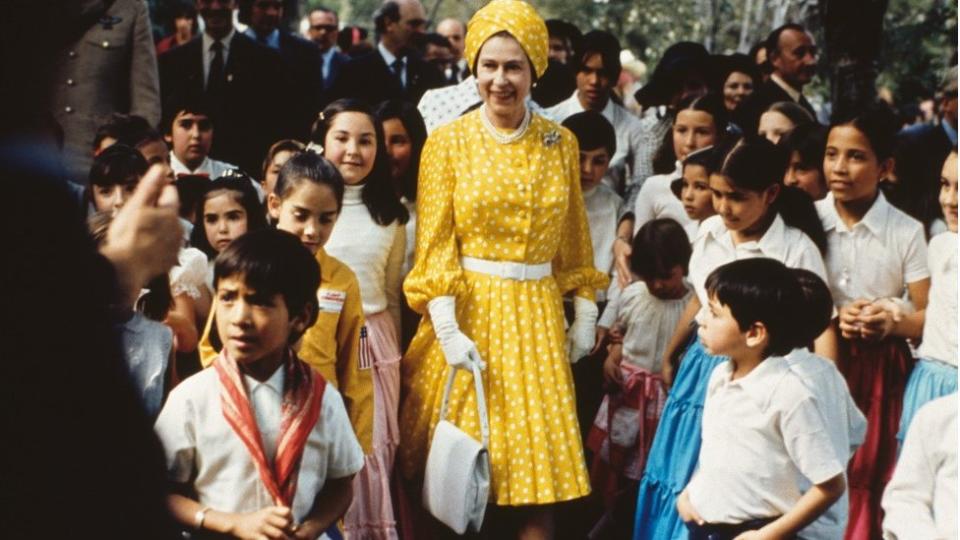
column 215, row 77
column 397, row 67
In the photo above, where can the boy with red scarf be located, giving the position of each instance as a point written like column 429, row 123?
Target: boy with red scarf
column 260, row 446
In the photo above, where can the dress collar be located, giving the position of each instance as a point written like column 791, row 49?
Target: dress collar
column 353, row 194
column 761, row 383
column 874, row 220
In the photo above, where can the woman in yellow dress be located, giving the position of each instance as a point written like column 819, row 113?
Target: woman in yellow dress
column 502, row 236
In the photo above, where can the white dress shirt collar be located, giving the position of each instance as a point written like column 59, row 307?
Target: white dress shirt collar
column 390, row 58
column 772, row 244
column 875, row 220
column 760, row 383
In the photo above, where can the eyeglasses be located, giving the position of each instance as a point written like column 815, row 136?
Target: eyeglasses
column 324, row 27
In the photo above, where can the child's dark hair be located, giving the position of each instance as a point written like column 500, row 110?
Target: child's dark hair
column 283, row 145
column 658, row 247
column 756, row 164
column 378, row 194
column 156, row 303
column 760, row 290
column 410, row 117
column 272, row 262
column 242, row 187
column 877, row 122
column 308, row 166
column 606, row 45
column 181, row 104
column 666, row 159
column 816, row 310
column 128, row 129
column 709, row 157
column 592, row 131
column 809, row 141
column 118, row 164
column 797, row 115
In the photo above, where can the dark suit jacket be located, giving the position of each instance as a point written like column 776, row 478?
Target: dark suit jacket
column 919, row 155
column 771, row 92
column 303, row 61
column 369, row 78
column 336, row 63
column 256, row 108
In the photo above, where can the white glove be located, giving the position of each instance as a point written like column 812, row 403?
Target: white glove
column 458, row 349
column 582, row 334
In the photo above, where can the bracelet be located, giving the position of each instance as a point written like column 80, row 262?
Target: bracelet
column 199, row 517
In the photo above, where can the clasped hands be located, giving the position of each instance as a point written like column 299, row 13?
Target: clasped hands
column 872, row 320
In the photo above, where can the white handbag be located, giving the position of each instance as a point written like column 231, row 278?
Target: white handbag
column 457, row 479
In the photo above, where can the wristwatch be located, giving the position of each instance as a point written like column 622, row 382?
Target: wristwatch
column 199, row 517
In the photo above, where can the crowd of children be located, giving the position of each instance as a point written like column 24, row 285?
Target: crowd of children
column 776, row 355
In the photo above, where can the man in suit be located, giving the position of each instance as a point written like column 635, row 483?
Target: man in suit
column 302, row 57
column 110, row 67
column 792, row 53
column 244, row 83
column 324, row 30
column 393, row 70
column 455, row 32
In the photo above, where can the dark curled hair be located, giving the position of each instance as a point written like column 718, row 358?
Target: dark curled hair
column 273, row 262
column 412, row 122
column 665, row 159
column 756, row 164
column 592, row 131
column 816, row 310
column 659, row 246
column 378, row 194
column 760, row 290
column 308, row 166
column 877, row 122
column 243, row 191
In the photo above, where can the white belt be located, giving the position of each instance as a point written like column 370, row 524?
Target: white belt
column 507, row 270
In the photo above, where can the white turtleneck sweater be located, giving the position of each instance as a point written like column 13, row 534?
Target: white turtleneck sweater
column 375, row 254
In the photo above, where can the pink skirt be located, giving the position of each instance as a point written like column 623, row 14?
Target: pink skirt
column 371, row 515
column 624, row 428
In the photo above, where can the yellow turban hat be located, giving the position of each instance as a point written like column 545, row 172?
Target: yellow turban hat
column 516, row 17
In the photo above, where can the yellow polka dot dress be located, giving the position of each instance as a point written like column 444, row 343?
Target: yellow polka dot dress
column 518, row 202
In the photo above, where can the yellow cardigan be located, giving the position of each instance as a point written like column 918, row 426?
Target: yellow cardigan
column 332, row 344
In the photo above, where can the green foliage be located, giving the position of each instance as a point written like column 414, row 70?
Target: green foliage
column 919, row 45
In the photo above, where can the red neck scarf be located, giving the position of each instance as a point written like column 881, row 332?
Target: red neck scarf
column 302, row 396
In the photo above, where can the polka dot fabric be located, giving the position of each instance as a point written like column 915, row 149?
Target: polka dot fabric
column 513, row 16
column 516, row 202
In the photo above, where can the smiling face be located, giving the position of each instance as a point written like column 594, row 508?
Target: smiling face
column 948, row 191
column 255, row 328
column 773, row 125
column 740, row 209
column 351, row 145
column 504, row 76
column 191, row 137
column 224, row 218
column 695, row 194
column 692, row 130
column 309, row 212
column 737, row 87
column 593, row 83
column 850, row 165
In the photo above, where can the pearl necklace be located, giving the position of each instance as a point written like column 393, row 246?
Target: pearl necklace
column 499, row 136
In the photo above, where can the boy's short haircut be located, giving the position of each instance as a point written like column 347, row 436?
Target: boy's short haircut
column 196, row 105
column 128, row 129
column 659, row 246
column 118, row 164
column 593, row 131
column 273, row 262
column 816, row 310
column 760, row 290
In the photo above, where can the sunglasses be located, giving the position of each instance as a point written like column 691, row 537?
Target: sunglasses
column 325, row 27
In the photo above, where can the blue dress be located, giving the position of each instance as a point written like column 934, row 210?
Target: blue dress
column 676, row 448
column 929, row 380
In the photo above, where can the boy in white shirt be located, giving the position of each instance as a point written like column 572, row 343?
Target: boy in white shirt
column 761, row 427
column 260, row 446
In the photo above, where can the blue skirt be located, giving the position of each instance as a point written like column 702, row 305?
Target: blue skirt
column 676, row 448
column 929, row 380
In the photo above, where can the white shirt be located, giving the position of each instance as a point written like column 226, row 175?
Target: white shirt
column 202, row 448
column 375, row 254
column 760, row 432
column 212, row 169
column 921, row 499
column 602, row 206
column 656, row 200
column 648, row 323
column 875, row 258
column 147, row 345
column 441, row 105
column 714, row 247
column 390, row 58
column 845, row 425
column 207, row 42
column 624, row 165
column 940, row 322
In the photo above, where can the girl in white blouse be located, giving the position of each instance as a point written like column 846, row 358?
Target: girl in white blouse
column 875, row 252
column 757, row 217
column 369, row 237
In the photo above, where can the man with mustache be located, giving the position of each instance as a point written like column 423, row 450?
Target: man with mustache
column 792, row 53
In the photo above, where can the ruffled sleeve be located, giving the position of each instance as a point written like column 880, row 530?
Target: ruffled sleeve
column 436, row 267
column 573, row 265
column 189, row 276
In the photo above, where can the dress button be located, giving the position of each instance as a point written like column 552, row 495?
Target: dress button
column 72, row 54
column 68, row 109
column 71, row 82
column 105, row 44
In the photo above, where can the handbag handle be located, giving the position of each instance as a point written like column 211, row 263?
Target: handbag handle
column 481, row 400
